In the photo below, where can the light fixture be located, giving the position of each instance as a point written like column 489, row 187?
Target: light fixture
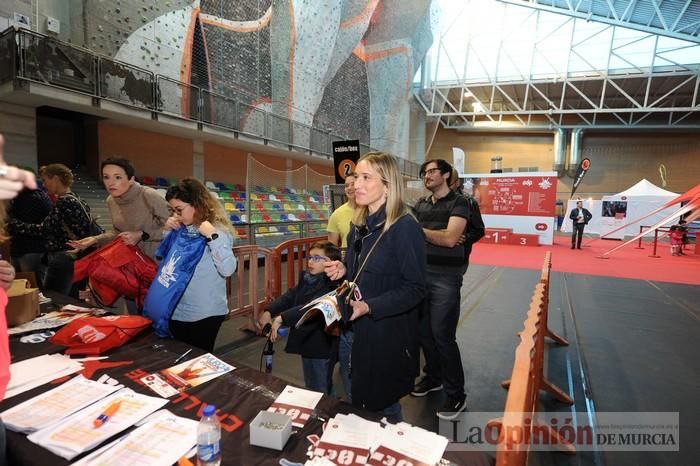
column 467, row 94
column 478, row 108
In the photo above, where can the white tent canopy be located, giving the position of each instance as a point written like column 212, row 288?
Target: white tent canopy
column 646, row 188
column 613, row 211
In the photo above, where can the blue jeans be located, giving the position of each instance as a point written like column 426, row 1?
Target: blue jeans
column 344, row 352
column 316, row 374
column 393, row 413
column 438, row 332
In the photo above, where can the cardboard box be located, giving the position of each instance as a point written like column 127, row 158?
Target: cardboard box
column 270, row 430
column 23, row 303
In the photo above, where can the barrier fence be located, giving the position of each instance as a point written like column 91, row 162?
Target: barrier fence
column 264, row 279
column 249, row 301
column 527, row 379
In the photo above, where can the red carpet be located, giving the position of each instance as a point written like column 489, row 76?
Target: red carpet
column 627, row 262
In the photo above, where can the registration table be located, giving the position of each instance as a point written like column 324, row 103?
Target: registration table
column 238, row 396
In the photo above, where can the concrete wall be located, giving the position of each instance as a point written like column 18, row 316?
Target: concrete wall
column 18, row 125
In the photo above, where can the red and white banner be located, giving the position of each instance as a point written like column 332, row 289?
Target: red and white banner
column 524, row 203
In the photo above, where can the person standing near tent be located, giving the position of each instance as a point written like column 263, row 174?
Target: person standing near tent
column 580, row 216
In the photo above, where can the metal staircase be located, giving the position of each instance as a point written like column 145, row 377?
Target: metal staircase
column 93, row 192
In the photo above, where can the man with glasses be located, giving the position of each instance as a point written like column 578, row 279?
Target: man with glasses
column 443, row 216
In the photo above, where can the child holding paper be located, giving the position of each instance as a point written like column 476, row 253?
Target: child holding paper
column 309, row 340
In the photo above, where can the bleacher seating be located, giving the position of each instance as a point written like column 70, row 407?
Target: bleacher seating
column 279, row 209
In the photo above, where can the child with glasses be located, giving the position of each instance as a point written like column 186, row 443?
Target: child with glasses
column 309, row 340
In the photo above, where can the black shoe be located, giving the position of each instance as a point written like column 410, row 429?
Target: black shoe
column 452, row 407
column 573, row 247
column 578, row 247
column 425, row 386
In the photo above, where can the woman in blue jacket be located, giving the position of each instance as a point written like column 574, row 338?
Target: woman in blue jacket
column 386, row 260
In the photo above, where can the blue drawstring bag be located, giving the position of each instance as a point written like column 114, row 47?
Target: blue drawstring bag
column 180, row 253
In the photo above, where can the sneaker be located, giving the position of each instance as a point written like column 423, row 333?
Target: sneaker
column 425, row 386
column 452, row 407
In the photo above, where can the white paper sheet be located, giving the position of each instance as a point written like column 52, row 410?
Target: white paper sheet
column 55, row 405
column 76, row 434
column 31, row 373
column 159, row 442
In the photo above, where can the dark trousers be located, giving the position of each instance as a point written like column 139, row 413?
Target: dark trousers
column 59, row 272
column 200, row 333
column 31, row 262
column 577, row 233
column 438, row 332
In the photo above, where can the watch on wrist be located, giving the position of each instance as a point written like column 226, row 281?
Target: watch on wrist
column 145, row 236
column 212, row 237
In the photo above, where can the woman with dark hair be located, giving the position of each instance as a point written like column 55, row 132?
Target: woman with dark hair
column 386, row 261
column 69, row 218
column 138, row 212
column 203, row 306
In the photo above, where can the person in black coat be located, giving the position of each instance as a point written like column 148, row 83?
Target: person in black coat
column 580, row 217
column 309, row 340
column 31, row 206
column 385, row 259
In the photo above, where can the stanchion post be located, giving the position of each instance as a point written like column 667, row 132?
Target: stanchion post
column 639, row 243
column 656, row 240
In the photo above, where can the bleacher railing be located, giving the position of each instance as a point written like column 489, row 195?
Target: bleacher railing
column 527, row 380
column 29, row 56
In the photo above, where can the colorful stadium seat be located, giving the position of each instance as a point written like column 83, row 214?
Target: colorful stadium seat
column 266, row 218
column 220, row 186
column 240, row 206
column 148, row 181
column 229, row 207
column 211, row 186
column 160, row 181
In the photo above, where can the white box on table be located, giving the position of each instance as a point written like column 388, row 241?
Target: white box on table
column 270, row 430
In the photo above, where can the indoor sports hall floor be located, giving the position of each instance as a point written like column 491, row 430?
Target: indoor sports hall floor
column 633, row 341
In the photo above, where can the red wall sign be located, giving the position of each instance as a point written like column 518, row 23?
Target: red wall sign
column 517, row 195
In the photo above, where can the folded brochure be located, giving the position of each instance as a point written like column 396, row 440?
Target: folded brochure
column 190, row 373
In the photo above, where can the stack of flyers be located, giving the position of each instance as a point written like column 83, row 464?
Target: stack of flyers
column 406, row 444
column 296, row 403
column 347, row 440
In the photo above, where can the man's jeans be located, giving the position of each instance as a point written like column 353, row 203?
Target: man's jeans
column 438, row 330
column 316, row 374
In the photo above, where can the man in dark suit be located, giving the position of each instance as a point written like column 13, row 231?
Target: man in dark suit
column 580, row 217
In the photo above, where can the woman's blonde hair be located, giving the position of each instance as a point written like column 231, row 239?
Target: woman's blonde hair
column 387, row 167
column 206, row 207
column 64, row 174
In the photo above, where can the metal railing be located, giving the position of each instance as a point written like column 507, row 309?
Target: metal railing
column 30, row 56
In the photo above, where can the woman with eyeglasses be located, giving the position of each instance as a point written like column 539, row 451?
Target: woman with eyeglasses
column 386, row 262
column 203, row 305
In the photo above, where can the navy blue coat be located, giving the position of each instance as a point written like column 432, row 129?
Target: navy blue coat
column 309, row 340
column 384, row 359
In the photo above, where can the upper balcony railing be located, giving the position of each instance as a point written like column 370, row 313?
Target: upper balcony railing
column 30, row 56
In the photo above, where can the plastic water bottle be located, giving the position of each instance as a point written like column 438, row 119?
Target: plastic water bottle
column 209, row 438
